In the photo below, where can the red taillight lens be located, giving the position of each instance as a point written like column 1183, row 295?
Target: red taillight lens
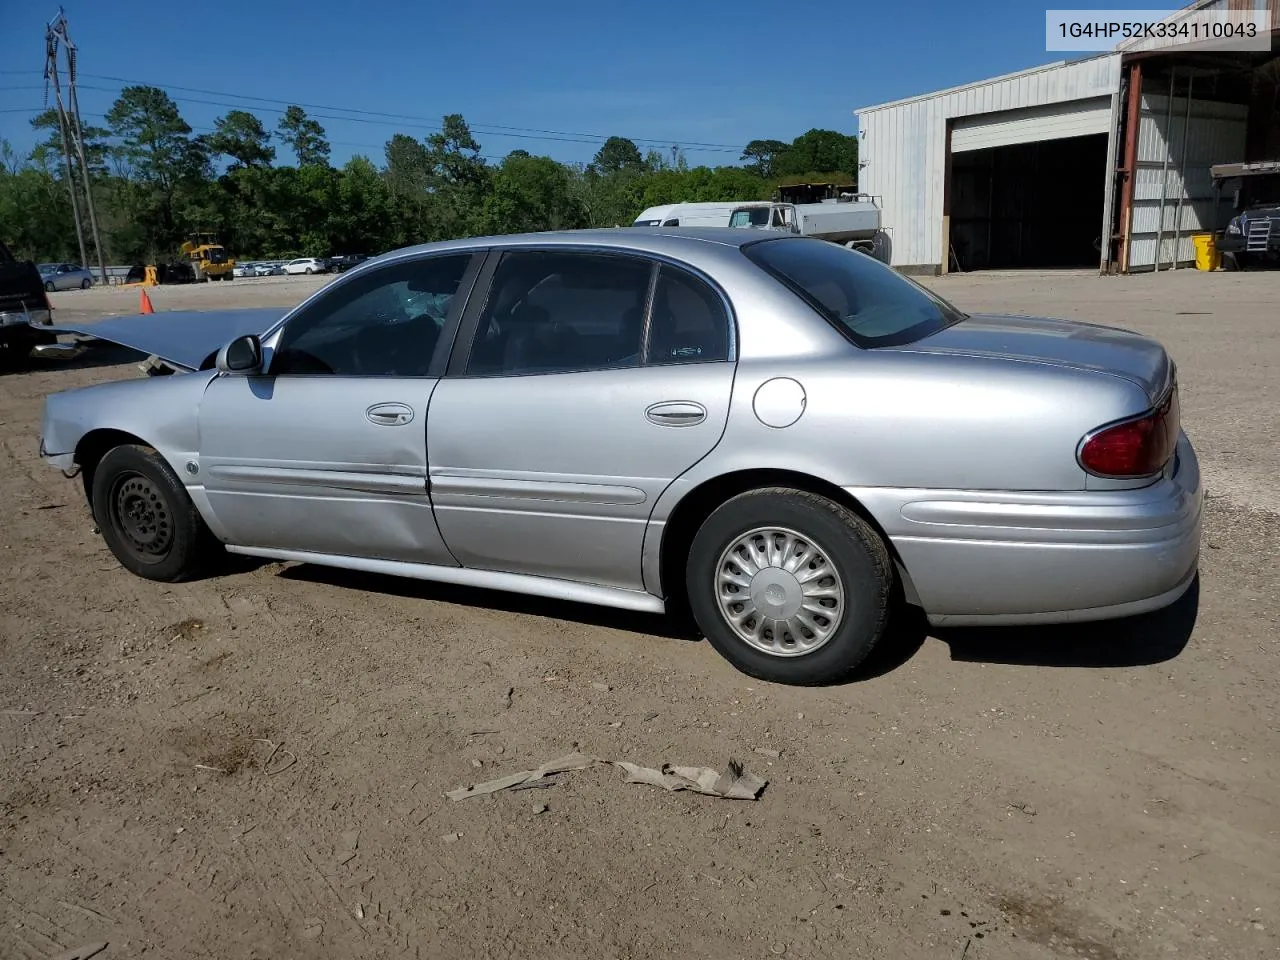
column 1134, row 448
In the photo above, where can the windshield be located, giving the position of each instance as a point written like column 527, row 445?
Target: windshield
column 750, row 217
column 872, row 304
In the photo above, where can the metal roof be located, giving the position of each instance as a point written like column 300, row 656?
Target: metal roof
column 978, row 83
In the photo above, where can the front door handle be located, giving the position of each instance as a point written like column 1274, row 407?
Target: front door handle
column 390, row 414
column 676, row 413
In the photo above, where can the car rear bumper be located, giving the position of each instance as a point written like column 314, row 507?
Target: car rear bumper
column 988, row 557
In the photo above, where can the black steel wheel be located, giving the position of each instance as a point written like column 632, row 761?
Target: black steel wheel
column 146, row 517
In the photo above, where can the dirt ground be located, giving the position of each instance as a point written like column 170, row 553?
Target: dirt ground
column 254, row 765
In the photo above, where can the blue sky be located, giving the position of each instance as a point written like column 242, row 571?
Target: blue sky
column 712, row 73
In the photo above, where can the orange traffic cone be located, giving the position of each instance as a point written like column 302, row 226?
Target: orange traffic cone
column 146, row 303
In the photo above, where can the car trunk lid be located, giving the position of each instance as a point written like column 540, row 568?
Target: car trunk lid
column 1060, row 343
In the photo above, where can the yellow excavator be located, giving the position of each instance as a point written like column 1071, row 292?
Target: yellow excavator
column 208, row 257
column 200, row 258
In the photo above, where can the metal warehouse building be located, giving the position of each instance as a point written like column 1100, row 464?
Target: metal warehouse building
column 1101, row 161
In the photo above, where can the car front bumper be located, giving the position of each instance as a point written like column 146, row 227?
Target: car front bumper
column 991, row 557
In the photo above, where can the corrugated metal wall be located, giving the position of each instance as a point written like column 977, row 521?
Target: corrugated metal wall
column 1172, row 190
column 903, row 144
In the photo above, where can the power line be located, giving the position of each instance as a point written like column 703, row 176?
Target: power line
column 362, row 115
column 589, row 137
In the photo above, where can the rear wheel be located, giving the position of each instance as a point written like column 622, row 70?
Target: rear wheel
column 789, row 586
column 146, row 517
column 48, row 286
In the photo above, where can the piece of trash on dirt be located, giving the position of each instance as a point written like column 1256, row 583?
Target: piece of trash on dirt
column 451, row 837
column 477, row 764
column 650, row 716
column 602, row 687
column 616, row 724
column 359, row 911
column 734, row 783
column 506, row 697
column 1026, row 808
column 572, row 761
column 766, row 752
column 540, row 808
column 82, row 952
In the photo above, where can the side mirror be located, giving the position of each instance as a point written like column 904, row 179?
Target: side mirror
column 241, row 355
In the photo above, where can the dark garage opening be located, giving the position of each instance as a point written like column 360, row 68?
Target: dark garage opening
column 1036, row 205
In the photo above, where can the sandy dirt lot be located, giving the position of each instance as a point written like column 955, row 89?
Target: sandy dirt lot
column 254, row 765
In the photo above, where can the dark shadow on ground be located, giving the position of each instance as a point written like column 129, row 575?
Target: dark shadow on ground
column 671, row 627
column 1130, row 642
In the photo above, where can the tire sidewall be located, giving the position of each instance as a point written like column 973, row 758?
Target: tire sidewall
column 848, row 543
column 188, row 528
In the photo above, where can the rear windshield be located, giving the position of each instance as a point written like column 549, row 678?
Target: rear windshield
column 872, row 304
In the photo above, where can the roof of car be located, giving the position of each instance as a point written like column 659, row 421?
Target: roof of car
column 637, row 238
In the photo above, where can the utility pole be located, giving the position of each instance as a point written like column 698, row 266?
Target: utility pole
column 72, row 130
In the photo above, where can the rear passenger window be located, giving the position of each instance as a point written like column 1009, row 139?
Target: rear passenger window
column 689, row 323
column 561, row 312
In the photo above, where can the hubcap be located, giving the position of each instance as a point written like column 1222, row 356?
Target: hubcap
column 142, row 517
column 778, row 592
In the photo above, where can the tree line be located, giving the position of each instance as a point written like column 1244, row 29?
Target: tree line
column 155, row 182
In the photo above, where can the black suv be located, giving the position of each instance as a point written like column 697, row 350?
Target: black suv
column 24, row 308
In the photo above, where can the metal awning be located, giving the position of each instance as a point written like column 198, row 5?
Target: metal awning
column 1221, row 171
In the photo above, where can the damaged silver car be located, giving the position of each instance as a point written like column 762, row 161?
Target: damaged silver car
column 775, row 432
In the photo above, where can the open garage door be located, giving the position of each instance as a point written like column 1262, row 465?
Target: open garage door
column 1033, row 205
column 1054, row 121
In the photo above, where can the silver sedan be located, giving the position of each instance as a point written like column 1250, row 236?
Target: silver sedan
column 65, row 276
column 776, row 433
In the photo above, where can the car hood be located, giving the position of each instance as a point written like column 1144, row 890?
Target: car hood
column 1061, row 343
column 182, row 338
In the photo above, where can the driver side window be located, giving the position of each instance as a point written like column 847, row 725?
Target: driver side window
column 385, row 323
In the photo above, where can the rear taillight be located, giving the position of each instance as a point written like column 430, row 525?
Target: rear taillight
column 1134, row 448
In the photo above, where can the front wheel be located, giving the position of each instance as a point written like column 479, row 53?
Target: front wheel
column 789, row 586
column 146, row 517
column 86, row 283
column 309, row 271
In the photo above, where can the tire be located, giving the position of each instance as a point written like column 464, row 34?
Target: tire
column 309, row 271
column 86, row 284
column 857, row 585
column 146, row 517
column 48, row 286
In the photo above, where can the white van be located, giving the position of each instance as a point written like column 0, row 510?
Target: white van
column 692, row 214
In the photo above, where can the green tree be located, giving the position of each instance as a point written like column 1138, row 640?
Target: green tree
column 242, row 137
column 825, row 151
column 764, row 154
column 48, row 153
column 529, row 194
column 617, row 154
column 162, row 167
column 304, row 136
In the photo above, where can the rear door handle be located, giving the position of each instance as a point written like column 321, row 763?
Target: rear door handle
column 390, row 414
column 676, row 413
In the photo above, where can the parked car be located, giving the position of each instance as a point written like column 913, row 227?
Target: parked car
column 244, row 270
column 777, row 431
column 25, row 314
column 65, row 276
column 307, row 265
column 346, row 261
column 269, row 268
